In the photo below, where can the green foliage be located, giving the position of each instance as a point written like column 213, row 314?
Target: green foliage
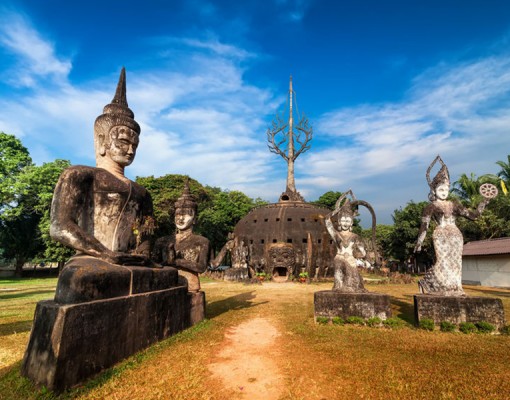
column 467, row 327
column 322, row 320
column 327, row 200
column 505, row 330
column 485, row 327
column 337, row 321
column 355, row 320
column 427, row 324
column 447, row 326
column 374, row 321
column 402, row 240
column 393, row 323
column 303, row 274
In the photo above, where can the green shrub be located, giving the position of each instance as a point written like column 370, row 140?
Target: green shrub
column 447, row 326
column 337, row 321
column 467, row 327
column 322, row 320
column 393, row 323
column 505, row 330
column 427, row 324
column 374, row 321
column 485, row 327
column 355, row 320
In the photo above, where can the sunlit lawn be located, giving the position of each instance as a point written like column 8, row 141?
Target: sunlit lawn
column 316, row 361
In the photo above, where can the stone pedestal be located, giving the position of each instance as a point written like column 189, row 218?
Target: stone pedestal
column 332, row 303
column 71, row 342
column 459, row 309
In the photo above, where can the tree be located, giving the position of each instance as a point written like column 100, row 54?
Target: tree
column 466, row 188
column 227, row 208
column 407, row 222
column 327, row 200
column 504, row 173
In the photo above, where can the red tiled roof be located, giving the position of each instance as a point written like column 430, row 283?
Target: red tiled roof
column 487, row 247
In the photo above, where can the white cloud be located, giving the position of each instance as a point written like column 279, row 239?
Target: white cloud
column 36, row 56
column 461, row 112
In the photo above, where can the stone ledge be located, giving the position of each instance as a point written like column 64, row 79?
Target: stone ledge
column 459, row 309
column 332, row 303
column 71, row 342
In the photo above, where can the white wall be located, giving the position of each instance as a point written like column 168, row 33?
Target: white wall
column 486, row 270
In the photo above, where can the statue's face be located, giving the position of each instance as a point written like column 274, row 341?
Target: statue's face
column 123, row 145
column 345, row 223
column 442, row 191
column 282, row 256
column 184, row 218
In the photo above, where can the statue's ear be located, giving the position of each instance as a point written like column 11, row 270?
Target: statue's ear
column 102, row 147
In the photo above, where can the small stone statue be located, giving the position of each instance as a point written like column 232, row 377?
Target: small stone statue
column 350, row 247
column 445, row 276
column 187, row 251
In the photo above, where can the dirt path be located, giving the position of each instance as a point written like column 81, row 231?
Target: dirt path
column 246, row 364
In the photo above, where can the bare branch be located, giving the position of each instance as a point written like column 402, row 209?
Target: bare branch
column 303, row 128
column 278, row 126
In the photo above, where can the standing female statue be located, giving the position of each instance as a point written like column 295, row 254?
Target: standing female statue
column 350, row 247
column 445, row 276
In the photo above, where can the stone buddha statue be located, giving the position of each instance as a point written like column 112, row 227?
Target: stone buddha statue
column 185, row 250
column 95, row 211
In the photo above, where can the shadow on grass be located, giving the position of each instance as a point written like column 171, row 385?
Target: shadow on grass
column 25, row 293
column 15, row 327
column 406, row 310
column 237, row 302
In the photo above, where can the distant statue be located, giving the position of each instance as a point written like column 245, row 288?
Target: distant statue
column 350, row 247
column 187, row 251
column 96, row 210
column 281, row 261
column 445, row 276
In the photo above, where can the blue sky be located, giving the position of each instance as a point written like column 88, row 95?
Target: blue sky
column 387, row 85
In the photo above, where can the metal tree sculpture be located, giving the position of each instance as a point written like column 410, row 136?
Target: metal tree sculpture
column 281, row 135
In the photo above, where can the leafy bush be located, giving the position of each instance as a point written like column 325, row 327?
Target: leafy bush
column 355, row 320
column 374, row 321
column 485, row 327
column 427, row 324
column 337, row 321
column 467, row 327
column 505, row 330
column 322, row 320
column 393, row 323
column 447, row 326
column 303, row 274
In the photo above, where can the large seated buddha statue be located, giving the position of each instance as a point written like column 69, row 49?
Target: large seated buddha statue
column 102, row 214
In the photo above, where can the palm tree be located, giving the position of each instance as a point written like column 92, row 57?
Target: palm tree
column 466, row 188
column 505, row 170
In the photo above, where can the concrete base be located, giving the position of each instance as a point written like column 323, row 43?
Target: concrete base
column 459, row 309
column 71, row 342
column 332, row 303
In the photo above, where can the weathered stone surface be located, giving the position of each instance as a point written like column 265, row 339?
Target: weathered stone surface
column 95, row 279
column 445, row 276
column 71, row 342
column 456, row 309
column 332, row 303
column 236, row 274
column 197, row 307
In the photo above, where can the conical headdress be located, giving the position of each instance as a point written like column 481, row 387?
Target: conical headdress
column 442, row 176
column 186, row 201
column 115, row 113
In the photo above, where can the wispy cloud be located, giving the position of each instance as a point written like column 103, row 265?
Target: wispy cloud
column 460, row 111
column 36, row 56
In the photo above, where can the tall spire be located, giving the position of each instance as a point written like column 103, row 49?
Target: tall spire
column 286, row 136
column 120, row 93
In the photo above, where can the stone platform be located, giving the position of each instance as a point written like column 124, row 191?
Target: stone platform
column 236, row 274
column 71, row 342
column 459, row 309
column 332, row 303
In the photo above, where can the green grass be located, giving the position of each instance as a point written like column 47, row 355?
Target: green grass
column 316, row 361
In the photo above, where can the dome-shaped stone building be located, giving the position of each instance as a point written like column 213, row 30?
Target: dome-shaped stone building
column 284, row 238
